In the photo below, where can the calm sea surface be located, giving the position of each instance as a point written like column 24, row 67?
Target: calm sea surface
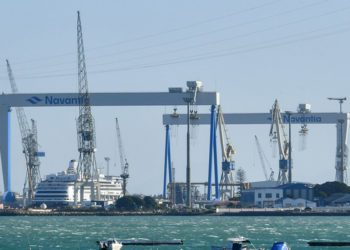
column 65, row 232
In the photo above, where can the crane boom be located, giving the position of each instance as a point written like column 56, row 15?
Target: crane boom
column 264, row 160
column 228, row 150
column 29, row 138
column 123, row 161
column 261, row 157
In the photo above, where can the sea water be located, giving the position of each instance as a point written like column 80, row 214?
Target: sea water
column 197, row 232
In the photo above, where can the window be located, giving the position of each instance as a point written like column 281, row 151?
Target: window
column 259, row 195
column 277, row 195
column 268, row 195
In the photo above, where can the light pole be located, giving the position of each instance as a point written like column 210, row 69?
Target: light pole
column 341, row 152
column 188, row 100
column 193, row 88
column 188, row 168
column 289, row 113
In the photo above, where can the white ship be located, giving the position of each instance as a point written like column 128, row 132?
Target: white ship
column 63, row 188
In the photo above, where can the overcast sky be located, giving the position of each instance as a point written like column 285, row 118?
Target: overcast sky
column 252, row 52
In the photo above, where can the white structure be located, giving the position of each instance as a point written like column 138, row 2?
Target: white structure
column 264, row 184
column 96, row 99
column 266, row 197
column 58, row 189
column 296, row 203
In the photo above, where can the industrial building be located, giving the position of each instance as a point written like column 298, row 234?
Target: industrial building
column 287, row 195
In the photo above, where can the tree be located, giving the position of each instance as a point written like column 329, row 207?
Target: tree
column 138, row 202
column 149, row 202
column 241, row 178
column 125, row 203
column 328, row 188
column 129, row 203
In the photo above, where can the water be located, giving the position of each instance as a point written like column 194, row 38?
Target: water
column 198, row 232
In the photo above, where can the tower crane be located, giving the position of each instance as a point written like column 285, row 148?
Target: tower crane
column 278, row 134
column 123, row 161
column 30, row 146
column 263, row 159
column 228, row 164
column 87, row 167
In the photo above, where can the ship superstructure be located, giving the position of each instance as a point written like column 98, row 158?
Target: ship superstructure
column 58, row 189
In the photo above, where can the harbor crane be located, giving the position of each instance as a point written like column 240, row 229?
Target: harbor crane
column 278, row 135
column 228, row 164
column 263, row 159
column 123, row 161
column 30, row 146
column 85, row 123
column 87, row 167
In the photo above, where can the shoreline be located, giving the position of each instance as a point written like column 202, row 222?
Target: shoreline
column 47, row 212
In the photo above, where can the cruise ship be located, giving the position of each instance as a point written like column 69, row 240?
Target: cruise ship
column 63, row 189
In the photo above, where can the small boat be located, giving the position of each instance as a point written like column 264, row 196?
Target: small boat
column 115, row 244
column 109, row 245
column 280, row 246
column 328, row 243
column 241, row 243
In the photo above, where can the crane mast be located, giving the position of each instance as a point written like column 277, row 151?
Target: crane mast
column 227, row 151
column 87, row 168
column 123, row 161
column 278, row 134
column 30, row 146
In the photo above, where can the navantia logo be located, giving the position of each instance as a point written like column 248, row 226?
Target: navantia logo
column 52, row 100
column 34, row 100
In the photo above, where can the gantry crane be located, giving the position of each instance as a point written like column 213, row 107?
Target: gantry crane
column 263, row 159
column 122, row 157
column 226, row 181
column 278, row 134
column 30, row 147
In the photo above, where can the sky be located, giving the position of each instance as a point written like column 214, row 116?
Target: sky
column 251, row 52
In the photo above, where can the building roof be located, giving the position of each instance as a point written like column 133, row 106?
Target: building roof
column 297, row 185
column 343, row 199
